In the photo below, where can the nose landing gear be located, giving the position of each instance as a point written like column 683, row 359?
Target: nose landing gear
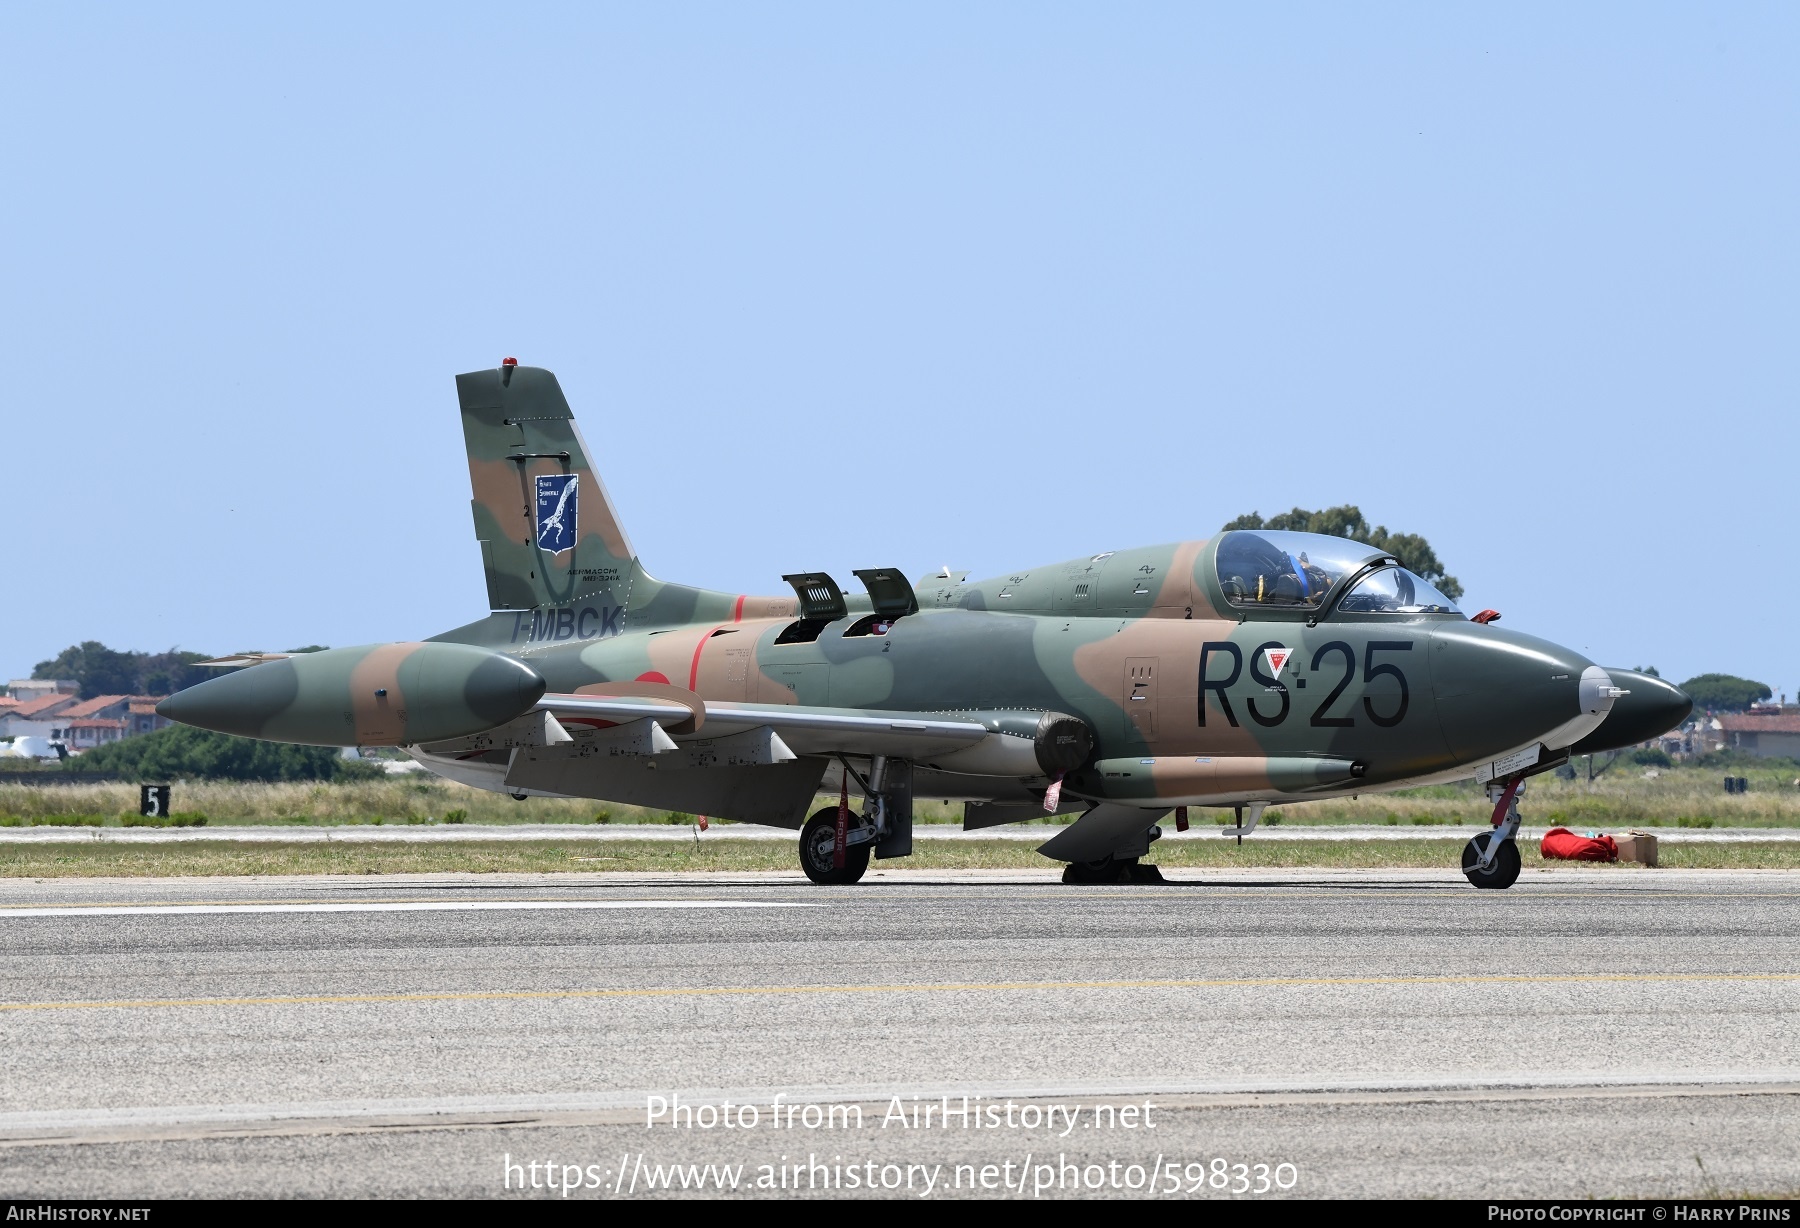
column 1491, row 860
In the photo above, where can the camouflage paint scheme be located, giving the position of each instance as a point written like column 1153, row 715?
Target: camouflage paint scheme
column 1142, row 645
column 375, row 695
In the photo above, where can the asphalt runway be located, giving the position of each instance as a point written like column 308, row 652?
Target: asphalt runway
column 1371, row 1033
column 358, row 833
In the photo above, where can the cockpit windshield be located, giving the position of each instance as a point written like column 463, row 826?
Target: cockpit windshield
column 1395, row 590
column 1282, row 570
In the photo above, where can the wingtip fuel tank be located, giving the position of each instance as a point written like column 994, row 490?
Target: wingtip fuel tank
column 374, row 695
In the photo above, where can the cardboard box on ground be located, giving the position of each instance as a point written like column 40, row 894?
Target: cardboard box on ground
column 1638, row 846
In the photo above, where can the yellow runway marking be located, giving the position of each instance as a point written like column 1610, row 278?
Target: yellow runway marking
column 530, row 995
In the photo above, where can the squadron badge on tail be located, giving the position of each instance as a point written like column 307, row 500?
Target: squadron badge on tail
column 556, row 496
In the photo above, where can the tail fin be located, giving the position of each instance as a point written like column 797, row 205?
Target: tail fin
column 548, row 532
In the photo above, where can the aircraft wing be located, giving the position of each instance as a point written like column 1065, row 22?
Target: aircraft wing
column 805, row 730
column 238, row 660
column 653, row 744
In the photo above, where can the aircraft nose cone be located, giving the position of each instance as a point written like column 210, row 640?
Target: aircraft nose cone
column 1497, row 690
column 1652, row 707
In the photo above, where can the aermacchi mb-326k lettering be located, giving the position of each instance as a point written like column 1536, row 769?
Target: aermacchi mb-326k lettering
column 1251, row 669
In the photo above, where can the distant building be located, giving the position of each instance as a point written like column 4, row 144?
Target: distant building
column 37, row 688
column 1770, row 731
column 101, row 707
column 38, row 717
column 1677, row 743
column 81, row 724
column 141, row 717
column 89, row 732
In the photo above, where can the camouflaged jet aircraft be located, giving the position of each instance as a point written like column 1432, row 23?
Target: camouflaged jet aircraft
column 1252, row 669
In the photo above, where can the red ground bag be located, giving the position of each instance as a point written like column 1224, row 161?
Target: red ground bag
column 1561, row 844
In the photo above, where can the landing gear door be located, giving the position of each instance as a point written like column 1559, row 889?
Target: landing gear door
column 896, row 802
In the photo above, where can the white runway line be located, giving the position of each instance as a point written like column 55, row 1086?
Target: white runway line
column 393, row 906
column 1598, row 1083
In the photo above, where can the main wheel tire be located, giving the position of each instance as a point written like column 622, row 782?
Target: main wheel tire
column 818, row 844
column 1499, row 876
column 1102, row 873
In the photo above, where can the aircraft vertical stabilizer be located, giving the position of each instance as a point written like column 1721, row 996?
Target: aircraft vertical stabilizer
column 548, row 532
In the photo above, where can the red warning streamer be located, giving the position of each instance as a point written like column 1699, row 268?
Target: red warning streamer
column 1500, row 807
column 843, row 825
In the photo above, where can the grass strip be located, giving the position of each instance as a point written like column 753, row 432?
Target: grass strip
column 1621, row 798
column 90, row 859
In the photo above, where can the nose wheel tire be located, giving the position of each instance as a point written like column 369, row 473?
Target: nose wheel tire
column 818, row 843
column 1499, row 876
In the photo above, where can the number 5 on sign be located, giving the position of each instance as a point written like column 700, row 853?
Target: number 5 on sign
column 153, row 801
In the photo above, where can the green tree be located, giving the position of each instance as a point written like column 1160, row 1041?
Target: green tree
column 1414, row 552
column 184, row 753
column 98, row 669
column 164, row 673
column 103, row 671
column 1725, row 692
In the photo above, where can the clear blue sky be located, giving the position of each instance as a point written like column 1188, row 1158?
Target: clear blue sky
column 844, row 286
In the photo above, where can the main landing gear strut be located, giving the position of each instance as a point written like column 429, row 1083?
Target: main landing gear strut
column 835, row 843
column 1491, row 860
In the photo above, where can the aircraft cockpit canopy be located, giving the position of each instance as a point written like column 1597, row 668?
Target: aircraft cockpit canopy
column 1271, row 569
column 1395, row 590
column 1275, row 569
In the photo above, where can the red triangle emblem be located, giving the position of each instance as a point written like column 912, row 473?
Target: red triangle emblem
column 1276, row 658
